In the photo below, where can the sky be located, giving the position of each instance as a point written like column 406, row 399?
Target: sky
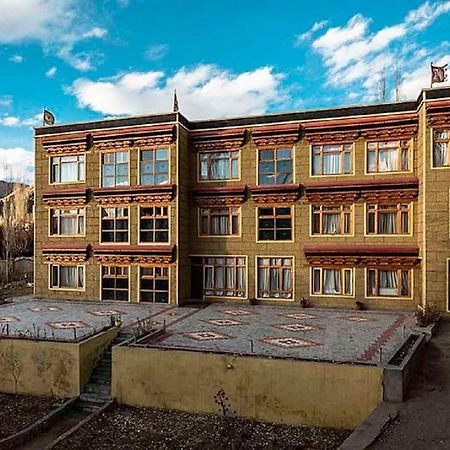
column 89, row 59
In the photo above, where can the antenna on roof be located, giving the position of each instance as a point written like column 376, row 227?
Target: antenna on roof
column 175, row 101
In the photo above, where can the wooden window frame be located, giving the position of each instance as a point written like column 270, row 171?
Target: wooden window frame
column 400, row 147
column 231, row 156
column 164, row 274
column 56, row 286
column 209, row 212
column 321, row 149
column 116, row 276
column 341, row 210
column 114, row 231
column 159, row 213
column 272, row 295
column 398, row 208
column 276, row 160
column 154, row 160
column 440, row 140
column 56, row 163
column 274, row 216
column 116, row 165
column 55, row 215
column 399, row 287
column 343, row 271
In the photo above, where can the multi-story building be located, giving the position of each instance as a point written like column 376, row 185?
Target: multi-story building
column 335, row 205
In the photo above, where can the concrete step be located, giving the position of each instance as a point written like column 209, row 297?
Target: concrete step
column 99, row 379
column 94, row 398
column 98, row 388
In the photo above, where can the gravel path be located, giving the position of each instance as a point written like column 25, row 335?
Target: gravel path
column 140, row 429
column 423, row 422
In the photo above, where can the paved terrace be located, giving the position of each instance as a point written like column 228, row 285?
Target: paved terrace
column 70, row 321
column 279, row 331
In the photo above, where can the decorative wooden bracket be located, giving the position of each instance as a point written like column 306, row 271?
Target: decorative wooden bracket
column 231, row 139
column 219, row 196
column 134, row 254
column 157, row 195
column 66, row 253
column 276, row 135
column 275, row 194
column 65, row 198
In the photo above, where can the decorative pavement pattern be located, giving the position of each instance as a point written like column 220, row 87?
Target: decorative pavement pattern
column 285, row 331
column 69, row 321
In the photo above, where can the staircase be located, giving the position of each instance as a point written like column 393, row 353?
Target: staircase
column 97, row 391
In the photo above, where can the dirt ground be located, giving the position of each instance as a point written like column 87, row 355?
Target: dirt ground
column 19, row 411
column 424, row 420
column 140, row 429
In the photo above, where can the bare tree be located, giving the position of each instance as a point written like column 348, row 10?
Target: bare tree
column 397, row 81
column 381, row 87
column 14, row 364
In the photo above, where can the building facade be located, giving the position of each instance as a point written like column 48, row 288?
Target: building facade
column 333, row 205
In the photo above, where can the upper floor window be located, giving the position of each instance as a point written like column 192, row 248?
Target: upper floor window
column 67, row 169
column 219, row 221
column 219, row 165
column 154, row 166
column 275, row 223
column 332, row 159
column 114, row 225
column 388, row 283
column 332, row 281
column 66, row 277
column 67, row 222
column 275, row 278
column 331, row 219
column 441, row 143
column 115, row 169
column 275, row 166
column 389, row 156
column 388, row 219
column 154, row 224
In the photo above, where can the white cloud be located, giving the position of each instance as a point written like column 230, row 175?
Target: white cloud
column 5, row 101
column 10, row 121
column 355, row 56
column 16, row 59
column 156, row 52
column 307, row 35
column 16, row 163
column 58, row 26
column 14, row 121
column 51, row 72
column 123, row 3
column 204, row 91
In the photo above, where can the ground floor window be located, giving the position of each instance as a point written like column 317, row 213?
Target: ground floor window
column 275, row 278
column 221, row 276
column 115, row 283
column 332, row 281
column 66, row 277
column 388, row 283
column 154, row 284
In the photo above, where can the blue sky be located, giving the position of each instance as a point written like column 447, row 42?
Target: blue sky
column 87, row 59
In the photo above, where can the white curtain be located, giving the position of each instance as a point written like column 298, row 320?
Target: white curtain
column 230, row 281
column 387, row 160
column 388, row 282
column 287, row 283
column 69, row 171
column 220, row 166
column 240, row 278
column 331, row 224
column 68, row 276
column 440, row 154
column 387, row 223
column 331, row 281
column 69, row 225
column 263, row 282
column 331, row 163
column 203, row 167
column 405, row 283
column 220, row 225
column 209, row 279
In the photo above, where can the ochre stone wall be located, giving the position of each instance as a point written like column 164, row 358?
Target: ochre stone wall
column 273, row 390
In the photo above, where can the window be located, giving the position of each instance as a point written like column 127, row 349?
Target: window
column 275, row 223
column 218, row 221
column 390, row 156
column 388, row 283
column 331, row 219
column 115, row 283
column 154, row 166
column 441, row 142
column 275, row 278
column 219, row 165
column 67, row 222
column 332, row 281
column 275, row 166
column 67, row 169
column 114, row 169
column 66, row 277
column 388, row 219
column 332, row 159
column 224, row 276
column 154, row 224
column 154, row 284
column 114, row 225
